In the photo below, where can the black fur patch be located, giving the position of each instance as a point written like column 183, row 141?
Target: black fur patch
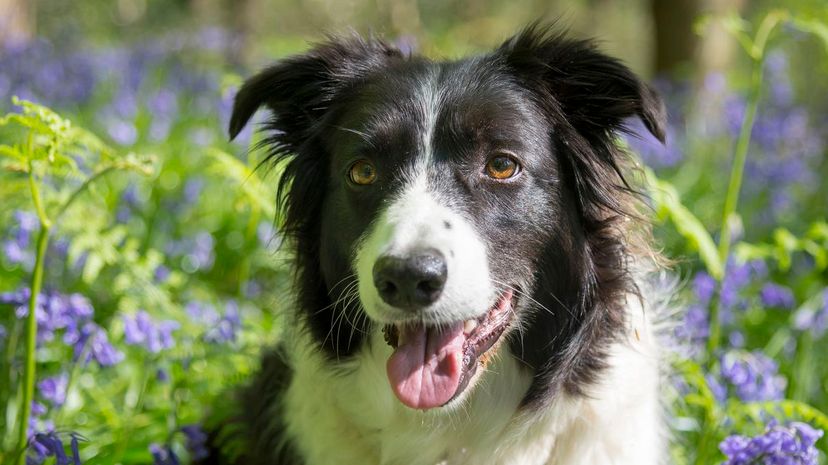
column 256, row 435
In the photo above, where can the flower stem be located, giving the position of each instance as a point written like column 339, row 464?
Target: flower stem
column 31, row 344
column 732, row 199
column 757, row 54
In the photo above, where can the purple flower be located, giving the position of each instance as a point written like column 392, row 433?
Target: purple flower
column 53, row 389
column 201, row 312
column 43, row 445
column 17, row 249
column 651, row 150
column 693, row 331
column 54, row 311
column 161, row 274
column 227, row 327
column 783, row 445
column 736, row 339
column 197, row 252
column 163, row 455
column 196, row 441
column 737, row 277
column 814, row 319
column 268, row 236
column 101, row 350
column 776, row 296
column 154, row 336
column 92, row 339
column 192, row 190
column 703, row 287
column 752, row 377
column 121, row 131
column 407, row 44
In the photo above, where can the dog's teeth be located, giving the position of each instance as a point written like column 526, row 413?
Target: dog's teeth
column 469, row 326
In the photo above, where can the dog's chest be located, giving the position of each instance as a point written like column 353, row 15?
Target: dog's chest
column 354, row 418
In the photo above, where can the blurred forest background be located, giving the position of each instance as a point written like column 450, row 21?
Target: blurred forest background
column 655, row 37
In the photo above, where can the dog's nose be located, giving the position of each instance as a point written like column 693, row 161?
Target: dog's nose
column 413, row 281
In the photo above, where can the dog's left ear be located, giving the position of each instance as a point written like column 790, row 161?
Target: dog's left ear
column 593, row 91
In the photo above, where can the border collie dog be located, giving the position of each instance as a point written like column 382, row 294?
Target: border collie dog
column 471, row 276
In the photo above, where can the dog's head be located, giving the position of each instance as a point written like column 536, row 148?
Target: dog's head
column 455, row 205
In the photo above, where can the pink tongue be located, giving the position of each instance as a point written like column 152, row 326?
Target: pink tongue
column 425, row 369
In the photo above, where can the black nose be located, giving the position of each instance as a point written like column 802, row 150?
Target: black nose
column 413, row 281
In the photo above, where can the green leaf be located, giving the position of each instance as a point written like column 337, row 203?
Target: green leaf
column 252, row 185
column 786, row 245
column 813, row 26
column 667, row 198
column 12, row 152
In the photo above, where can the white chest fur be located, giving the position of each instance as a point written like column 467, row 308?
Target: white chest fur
column 352, row 417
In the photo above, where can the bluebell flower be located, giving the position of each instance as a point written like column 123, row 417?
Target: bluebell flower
column 197, row 252
column 736, row 339
column 226, row 328
column 161, row 274
column 693, row 331
column 201, row 136
column 53, row 389
column 750, row 376
column 36, row 420
column 793, row 444
column 163, row 455
column 201, row 312
column 652, row 152
column 18, row 249
column 268, row 236
column 122, row 132
column 407, row 44
column 49, row 444
column 154, row 336
column 815, row 319
column 251, row 289
column 196, row 442
column 192, row 190
column 93, row 339
column 737, row 277
column 703, row 287
column 776, row 296
column 54, row 311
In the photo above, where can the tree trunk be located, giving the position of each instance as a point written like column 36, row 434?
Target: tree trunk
column 678, row 47
column 17, row 21
column 675, row 41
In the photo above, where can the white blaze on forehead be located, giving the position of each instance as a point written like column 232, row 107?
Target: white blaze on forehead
column 415, row 221
column 431, row 96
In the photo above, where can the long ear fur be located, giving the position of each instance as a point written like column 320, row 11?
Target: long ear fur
column 588, row 95
column 301, row 92
column 597, row 91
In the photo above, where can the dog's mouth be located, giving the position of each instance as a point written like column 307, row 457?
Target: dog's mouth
column 431, row 365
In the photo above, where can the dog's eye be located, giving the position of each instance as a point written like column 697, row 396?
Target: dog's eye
column 362, row 173
column 502, row 167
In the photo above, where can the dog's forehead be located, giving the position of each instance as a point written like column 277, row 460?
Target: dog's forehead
column 423, row 103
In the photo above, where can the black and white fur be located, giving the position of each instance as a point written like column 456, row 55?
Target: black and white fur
column 574, row 378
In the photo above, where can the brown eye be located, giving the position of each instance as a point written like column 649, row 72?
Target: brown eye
column 362, row 173
column 502, row 167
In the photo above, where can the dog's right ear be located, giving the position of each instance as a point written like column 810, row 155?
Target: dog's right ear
column 300, row 89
